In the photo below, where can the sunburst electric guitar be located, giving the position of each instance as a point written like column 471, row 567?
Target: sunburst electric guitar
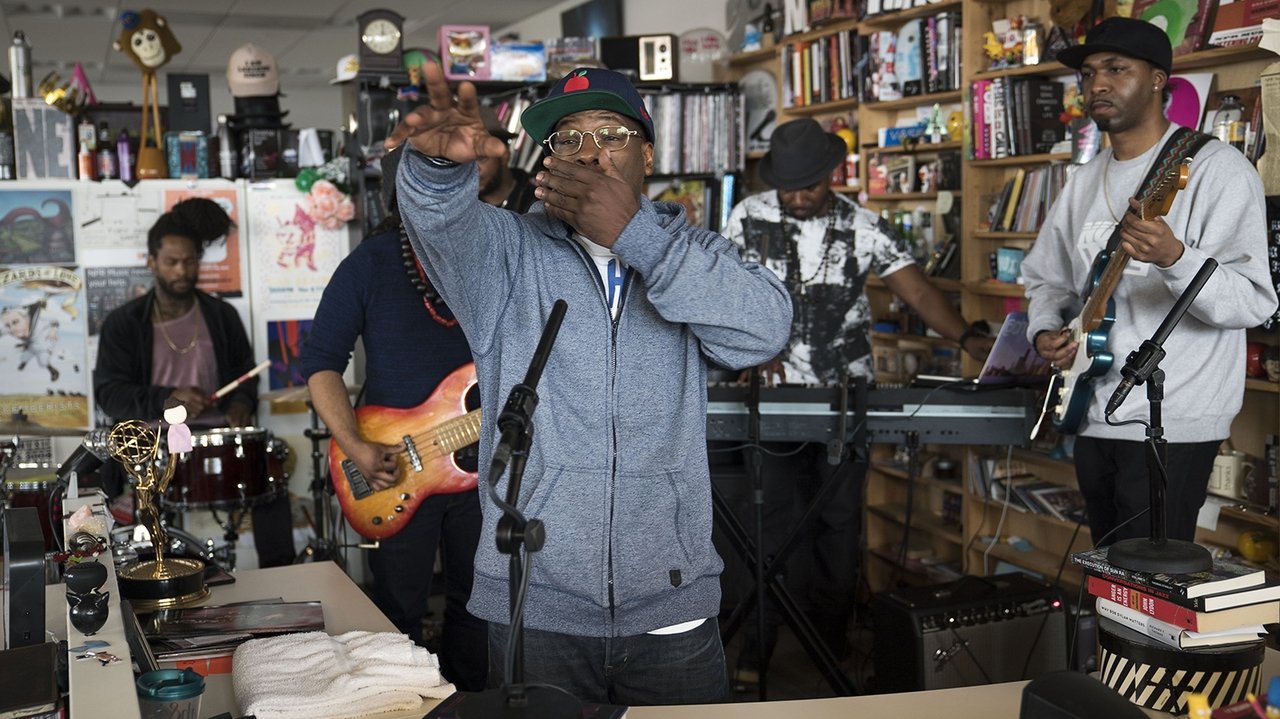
column 1074, row 386
column 430, row 433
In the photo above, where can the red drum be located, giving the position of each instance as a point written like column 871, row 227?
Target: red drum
column 228, row 469
column 31, row 493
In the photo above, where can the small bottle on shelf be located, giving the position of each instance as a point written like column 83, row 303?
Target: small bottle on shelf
column 1227, row 122
column 124, row 156
column 226, row 150
column 107, row 167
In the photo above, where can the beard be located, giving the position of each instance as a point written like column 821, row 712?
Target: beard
column 180, row 290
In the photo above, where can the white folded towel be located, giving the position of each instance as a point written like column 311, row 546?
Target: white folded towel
column 317, row 676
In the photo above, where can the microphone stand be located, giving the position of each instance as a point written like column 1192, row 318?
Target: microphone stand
column 1158, row 553
column 515, row 699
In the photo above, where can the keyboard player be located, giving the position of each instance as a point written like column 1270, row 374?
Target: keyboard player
column 823, row 245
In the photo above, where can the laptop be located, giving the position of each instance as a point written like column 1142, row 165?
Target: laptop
column 1013, row 361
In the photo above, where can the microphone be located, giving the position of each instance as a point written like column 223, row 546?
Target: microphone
column 517, row 414
column 1143, row 361
column 87, row 456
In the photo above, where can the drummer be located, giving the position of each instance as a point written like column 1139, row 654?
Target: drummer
column 176, row 342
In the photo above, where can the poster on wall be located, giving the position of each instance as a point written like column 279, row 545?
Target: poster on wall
column 36, row 227
column 106, row 288
column 285, row 340
column 113, row 220
column 220, row 265
column 294, row 253
column 43, row 371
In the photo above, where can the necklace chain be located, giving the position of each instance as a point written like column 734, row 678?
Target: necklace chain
column 195, row 336
column 828, row 239
column 1106, row 186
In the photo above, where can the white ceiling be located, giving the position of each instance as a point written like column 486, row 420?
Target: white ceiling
column 307, row 37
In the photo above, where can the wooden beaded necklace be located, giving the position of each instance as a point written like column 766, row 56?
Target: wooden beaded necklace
column 418, row 278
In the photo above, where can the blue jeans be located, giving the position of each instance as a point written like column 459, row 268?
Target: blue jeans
column 402, row 566
column 646, row 669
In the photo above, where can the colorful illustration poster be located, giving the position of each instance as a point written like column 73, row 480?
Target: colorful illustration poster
column 106, row 288
column 43, row 371
column 286, row 338
column 220, row 266
column 293, row 254
column 36, row 227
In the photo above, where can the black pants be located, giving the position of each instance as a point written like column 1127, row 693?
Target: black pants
column 273, row 533
column 791, row 479
column 402, row 571
column 1112, row 474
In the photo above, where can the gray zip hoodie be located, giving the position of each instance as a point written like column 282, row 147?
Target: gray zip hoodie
column 618, row 466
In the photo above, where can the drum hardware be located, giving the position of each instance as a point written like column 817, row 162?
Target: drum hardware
column 324, row 546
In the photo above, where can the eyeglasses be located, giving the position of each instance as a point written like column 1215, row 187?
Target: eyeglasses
column 567, row 143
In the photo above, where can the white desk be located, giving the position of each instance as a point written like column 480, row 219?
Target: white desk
column 346, row 608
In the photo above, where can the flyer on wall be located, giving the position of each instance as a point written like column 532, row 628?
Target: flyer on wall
column 220, row 265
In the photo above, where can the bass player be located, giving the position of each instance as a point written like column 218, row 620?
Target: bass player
column 1124, row 68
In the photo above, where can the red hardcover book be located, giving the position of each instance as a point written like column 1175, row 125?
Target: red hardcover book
column 1263, row 613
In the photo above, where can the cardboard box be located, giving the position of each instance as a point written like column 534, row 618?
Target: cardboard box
column 44, row 140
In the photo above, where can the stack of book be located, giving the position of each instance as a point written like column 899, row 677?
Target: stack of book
column 1228, row 604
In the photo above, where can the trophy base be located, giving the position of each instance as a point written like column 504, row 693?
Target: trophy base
column 152, row 585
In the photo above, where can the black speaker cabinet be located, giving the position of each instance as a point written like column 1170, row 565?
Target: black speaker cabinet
column 975, row 630
column 23, row 577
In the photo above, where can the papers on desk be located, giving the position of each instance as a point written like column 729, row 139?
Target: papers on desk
column 217, row 630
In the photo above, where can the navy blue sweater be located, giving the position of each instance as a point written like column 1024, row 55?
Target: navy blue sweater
column 407, row 353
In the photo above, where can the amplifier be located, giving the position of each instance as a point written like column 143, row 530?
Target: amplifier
column 975, row 630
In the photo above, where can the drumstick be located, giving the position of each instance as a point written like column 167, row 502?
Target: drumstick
column 240, row 380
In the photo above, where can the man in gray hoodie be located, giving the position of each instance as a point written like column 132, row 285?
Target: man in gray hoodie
column 1124, row 65
column 623, row 597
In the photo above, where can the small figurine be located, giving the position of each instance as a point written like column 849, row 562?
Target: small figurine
column 933, row 128
column 175, row 413
column 89, row 611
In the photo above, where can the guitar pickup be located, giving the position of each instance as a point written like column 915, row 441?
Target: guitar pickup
column 411, row 450
column 359, row 485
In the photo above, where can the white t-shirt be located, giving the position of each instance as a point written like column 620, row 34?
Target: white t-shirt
column 613, row 272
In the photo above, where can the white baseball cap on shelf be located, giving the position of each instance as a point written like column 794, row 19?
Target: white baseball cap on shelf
column 251, row 72
column 348, row 68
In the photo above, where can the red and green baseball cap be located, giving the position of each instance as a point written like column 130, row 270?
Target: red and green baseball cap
column 586, row 88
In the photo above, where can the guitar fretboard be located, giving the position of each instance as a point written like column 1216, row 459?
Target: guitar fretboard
column 452, row 435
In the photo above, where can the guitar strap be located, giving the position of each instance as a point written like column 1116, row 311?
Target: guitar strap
column 1183, row 144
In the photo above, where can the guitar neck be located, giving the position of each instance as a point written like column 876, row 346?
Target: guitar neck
column 1095, row 307
column 457, row 433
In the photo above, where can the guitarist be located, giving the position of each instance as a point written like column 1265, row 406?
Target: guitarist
column 1124, row 67
column 412, row 342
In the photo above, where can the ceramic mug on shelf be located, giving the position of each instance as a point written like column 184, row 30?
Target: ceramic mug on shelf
column 1229, row 472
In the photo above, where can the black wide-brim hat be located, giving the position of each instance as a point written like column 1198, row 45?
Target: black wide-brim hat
column 1124, row 35
column 800, row 154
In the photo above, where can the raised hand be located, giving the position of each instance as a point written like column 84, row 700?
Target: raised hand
column 446, row 126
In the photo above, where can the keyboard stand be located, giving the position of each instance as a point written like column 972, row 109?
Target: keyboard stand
column 766, row 577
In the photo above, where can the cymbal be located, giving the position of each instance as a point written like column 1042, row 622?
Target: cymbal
column 39, row 430
column 300, row 393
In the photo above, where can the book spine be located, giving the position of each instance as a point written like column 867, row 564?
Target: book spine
column 1163, row 632
column 1137, row 600
column 1152, row 585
